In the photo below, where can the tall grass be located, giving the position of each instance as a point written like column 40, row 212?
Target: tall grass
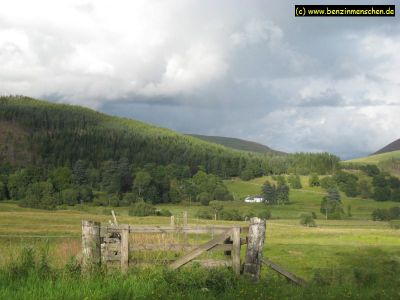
column 31, row 276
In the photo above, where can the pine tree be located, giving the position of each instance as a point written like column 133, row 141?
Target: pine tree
column 269, row 193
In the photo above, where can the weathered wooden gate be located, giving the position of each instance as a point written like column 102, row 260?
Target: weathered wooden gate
column 111, row 243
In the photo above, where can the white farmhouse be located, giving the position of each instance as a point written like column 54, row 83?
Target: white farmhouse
column 254, row 199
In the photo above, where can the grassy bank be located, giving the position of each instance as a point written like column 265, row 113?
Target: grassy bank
column 30, row 276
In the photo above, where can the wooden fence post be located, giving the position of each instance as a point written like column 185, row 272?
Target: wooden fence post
column 255, row 245
column 185, row 224
column 172, row 221
column 91, row 252
column 236, row 249
column 124, row 248
column 185, row 219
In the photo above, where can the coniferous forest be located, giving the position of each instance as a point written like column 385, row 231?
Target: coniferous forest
column 52, row 154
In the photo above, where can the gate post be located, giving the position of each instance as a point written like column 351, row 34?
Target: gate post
column 124, row 248
column 91, row 252
column 255, row 245
column 236, row 250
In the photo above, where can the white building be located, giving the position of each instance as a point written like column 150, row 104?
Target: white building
column 254, row 199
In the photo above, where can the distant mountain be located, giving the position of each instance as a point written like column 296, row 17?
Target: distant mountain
column 238, row 144
column 394, row 146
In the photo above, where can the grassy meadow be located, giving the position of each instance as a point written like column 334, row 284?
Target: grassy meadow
column 374, row 159
column 355, row 258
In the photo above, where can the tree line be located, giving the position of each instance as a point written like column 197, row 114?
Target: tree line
column 115, row 183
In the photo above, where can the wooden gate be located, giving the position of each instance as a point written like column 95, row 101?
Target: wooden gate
column 112, row 243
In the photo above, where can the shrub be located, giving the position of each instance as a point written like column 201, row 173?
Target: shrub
column 264, row 214
column 380, row 215
column 204, row 198
column 314, row 180
column 164, row 213
column 205, row 214
column 142, row 209
column 307, row 220
column 295, row 182
column 328, row 183
column 231, row 215
column 128, row 199
column 70, row 196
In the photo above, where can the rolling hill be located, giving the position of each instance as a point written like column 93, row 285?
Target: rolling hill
column 238, row 144
column 376, row 158
column 394, row 146
column 48, row 134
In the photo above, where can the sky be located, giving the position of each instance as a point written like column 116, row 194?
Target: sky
column 238, row 68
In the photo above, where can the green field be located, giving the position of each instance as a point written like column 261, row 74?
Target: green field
column 338, row 249
column 375, row 159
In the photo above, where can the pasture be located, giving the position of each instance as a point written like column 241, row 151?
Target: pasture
column 355, row 251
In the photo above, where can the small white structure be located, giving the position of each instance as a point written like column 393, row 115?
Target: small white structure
column 254, row 199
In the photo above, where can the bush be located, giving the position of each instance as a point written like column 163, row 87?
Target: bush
column 142, row 209
column 307, row 220
column 295, row 182
column 264, row 214
column 314, row 180
column 164, row 213
column 328, row 183
column 231, row 215
column 380, row 215
column 204, row 198
column 70, row 196
column 207, row 214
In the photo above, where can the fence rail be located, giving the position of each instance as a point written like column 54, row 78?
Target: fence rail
column 101, row 244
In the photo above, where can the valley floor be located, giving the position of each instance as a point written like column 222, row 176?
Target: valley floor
column 356, row 250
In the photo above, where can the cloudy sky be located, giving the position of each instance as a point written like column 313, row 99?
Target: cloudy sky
column 244, row 68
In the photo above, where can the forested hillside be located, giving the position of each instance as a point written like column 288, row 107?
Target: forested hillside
column 238, row 144
column 52, row 154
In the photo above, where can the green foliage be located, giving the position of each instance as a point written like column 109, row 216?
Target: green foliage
column 268, row 191
column 308, row 163
column 364, row 189
column 39, row 195
column 264, row 214
column 314, row 180
column 307, row 220
column 128, row 199
column 3, row 191
column 331, row 205
column 61, row 178
column 163, row 212
column 70, row 196
column 207, row 214
column 382, row 193
column 382, row 214
column 142, row 209
column 282, row 193
column 247, row 174
column 370, row 170
column 231, row 215
column 347, row 183
column 294, row 182
column 204, row 198
column 328, row 183
column 141, row 181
